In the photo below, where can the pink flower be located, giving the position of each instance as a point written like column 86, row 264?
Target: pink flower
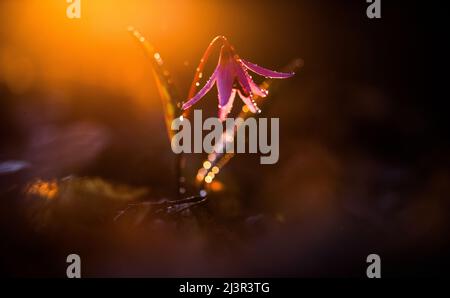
column 231, row 77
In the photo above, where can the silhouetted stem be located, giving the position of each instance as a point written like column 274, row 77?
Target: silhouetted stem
column 169, row 97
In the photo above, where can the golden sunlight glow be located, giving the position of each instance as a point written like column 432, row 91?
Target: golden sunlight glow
column 42, row 47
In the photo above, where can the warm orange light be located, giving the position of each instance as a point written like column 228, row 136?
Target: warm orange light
column 216, row 186
column 200, row 177
column 96, row 50
column 44, row 189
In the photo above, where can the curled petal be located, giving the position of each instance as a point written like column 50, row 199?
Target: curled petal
column 257, row 90
column 247, row 83
column 248, row 101
column 225, row 110
column 201, row 66
column 244, row 80
column 266, row 72
column 202, row 92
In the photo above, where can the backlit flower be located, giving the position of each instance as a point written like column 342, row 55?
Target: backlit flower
column 231, row 77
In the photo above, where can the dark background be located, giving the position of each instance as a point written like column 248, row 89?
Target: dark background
column 363, row 154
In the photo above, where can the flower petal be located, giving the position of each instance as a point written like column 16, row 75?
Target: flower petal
column 243, row 79
column 225, row 110
column 249, row 102
column 225, row 78
column 202, row 92
column 255, row 89
column 203, row 60
column 261, row 92
column 266, row 72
